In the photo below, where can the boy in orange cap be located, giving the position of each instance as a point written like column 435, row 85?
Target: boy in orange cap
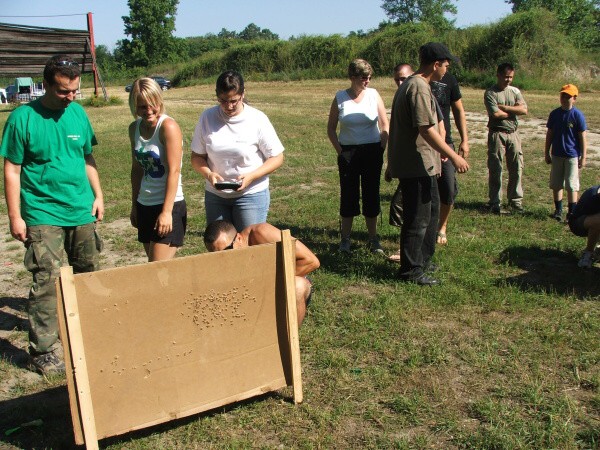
column 566, row 136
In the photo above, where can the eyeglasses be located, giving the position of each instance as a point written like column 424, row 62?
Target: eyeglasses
column 230, row 246
column 67, row 63
column 232, row 103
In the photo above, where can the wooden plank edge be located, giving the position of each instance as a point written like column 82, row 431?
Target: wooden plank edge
column 289, row 266
column 82, row 381
column 264, row 389
column 71, row 387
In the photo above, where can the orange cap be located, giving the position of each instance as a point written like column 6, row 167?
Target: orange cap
column 570, row 89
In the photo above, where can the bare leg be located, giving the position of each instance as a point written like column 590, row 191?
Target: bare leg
column 592, row 225
column 371, row 226
column 160, row 252
column 558, row 195
column 346, row 227
column 445, row 211
column 303, row 288
column 572, row 196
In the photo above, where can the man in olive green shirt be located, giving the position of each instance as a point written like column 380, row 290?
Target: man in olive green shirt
column 414, row 152
column 504, row 103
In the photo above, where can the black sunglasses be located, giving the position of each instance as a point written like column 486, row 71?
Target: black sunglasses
column 230, row 246
column 67, row 63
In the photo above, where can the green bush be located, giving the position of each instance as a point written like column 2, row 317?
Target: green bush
column 208, row 65
column 529, row 39
column 323, row 54
column 256, row 57
column 397, row 44
column 99, row 102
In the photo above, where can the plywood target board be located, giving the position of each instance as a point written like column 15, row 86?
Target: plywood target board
column 153, row 342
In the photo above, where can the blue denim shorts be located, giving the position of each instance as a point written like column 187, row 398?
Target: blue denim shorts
column 241, row 211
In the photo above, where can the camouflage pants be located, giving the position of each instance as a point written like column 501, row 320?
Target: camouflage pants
column 47, row 249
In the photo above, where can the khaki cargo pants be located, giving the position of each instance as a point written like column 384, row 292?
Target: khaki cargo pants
column 47, row 249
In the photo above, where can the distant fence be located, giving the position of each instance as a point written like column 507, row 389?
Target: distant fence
column 25, row 49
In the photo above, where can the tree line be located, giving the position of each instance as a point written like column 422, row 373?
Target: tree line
column 151, row 23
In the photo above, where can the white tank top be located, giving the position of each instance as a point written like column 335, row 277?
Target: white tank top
column 150, row 153
column 358, row 121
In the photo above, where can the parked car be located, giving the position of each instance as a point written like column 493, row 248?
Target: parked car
column 162, row 82
column 11, row 93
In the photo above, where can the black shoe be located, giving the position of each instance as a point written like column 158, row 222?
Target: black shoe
column 557, row 215
column 432, row 268
column 495, row 209
column 424, row 280
column 517, row 208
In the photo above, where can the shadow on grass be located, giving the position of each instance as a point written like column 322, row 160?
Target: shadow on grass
column 10, row 322
column 324, row 242
column 56, row 429
column 552, row 272
column 52, row 407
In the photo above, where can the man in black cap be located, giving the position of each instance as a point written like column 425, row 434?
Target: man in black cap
column 413, row 157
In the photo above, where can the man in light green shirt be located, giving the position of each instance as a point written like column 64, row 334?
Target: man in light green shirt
column 504, row 103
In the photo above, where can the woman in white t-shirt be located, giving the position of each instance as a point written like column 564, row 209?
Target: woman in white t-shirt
column 158, row 209
column 235, row 148
column 363, row 135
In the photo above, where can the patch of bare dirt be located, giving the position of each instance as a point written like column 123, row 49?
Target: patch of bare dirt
column 14, row 287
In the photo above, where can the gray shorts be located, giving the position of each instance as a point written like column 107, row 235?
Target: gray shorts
column 564, row 173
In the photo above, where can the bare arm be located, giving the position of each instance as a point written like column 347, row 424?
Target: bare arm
column 548, row 145
column 137, row 172
column 306, row 261
column 269, row 166
column 332, row 123
column 434, row 139
column 200, row 165
column 172, row 139
column 583, row 146
column 460, row 120
column 92, row 175
column 12, row 188
column 382, row 119
column 519, row 109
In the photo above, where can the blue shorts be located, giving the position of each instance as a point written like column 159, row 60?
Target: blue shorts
column 241, row 211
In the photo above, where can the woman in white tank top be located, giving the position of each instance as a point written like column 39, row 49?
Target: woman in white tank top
column 364, row 126
column 158, row 207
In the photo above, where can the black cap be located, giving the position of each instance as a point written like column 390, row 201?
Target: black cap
column 435, row 51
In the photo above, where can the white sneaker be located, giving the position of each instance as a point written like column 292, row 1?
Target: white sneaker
column 586, row 260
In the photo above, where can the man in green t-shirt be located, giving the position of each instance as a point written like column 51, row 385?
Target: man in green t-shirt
column 54, row 198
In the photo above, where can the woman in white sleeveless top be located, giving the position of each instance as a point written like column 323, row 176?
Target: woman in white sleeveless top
column 364, row 126
column 158, row 209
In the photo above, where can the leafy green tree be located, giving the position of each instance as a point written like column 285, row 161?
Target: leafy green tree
column 150, row 24
column 253, row 32
column 579, row 19
column 429, row 11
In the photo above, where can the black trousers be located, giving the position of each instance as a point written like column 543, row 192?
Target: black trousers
column 420, row 214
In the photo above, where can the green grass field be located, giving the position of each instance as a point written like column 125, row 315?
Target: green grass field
column 505, row 354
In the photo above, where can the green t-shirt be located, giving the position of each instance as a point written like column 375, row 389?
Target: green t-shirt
column 50, row 146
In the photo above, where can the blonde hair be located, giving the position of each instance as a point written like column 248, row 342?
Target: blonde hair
column 359, row 68
column 148, row 90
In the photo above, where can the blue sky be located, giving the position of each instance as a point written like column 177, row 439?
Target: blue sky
column 198, row 17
